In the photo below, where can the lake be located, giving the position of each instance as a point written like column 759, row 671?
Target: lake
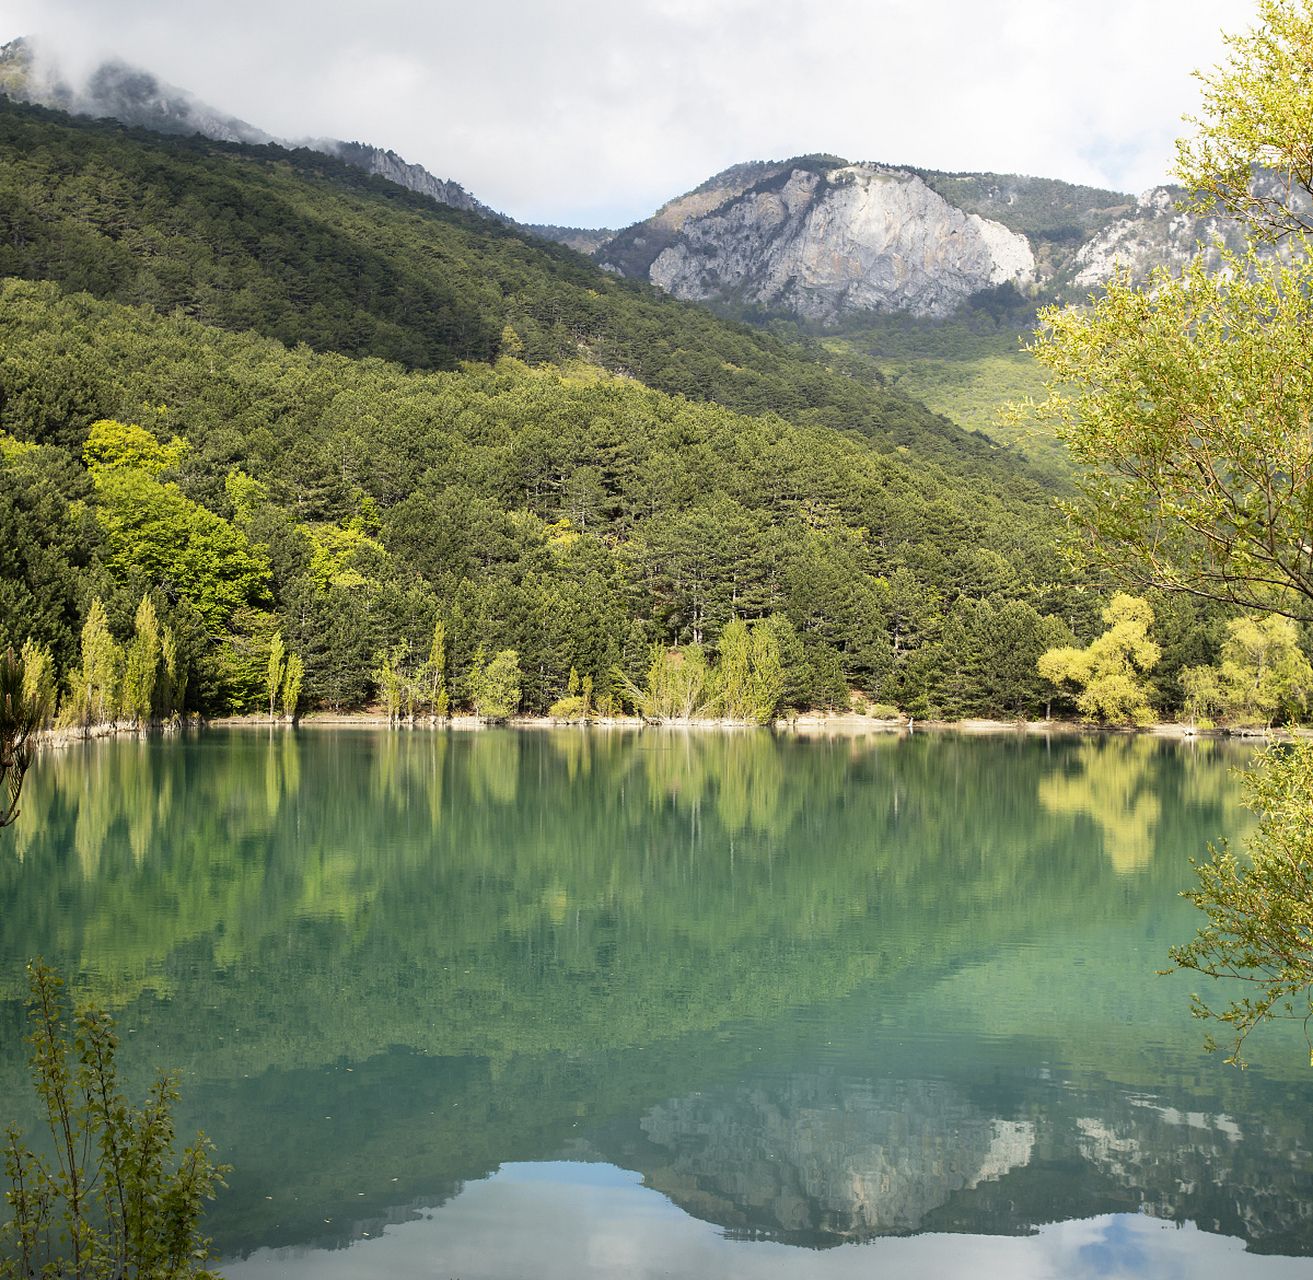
column 567, row 1003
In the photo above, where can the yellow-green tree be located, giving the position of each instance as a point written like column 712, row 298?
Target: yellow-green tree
column 1109, row 671
column 175, row 675
column 1260, row 910
column 496, row 687
column 1263, row 675
column 390, row 678
column 142, row 665
column 94, row 692
column 435, row 670
column 748, row 678
column 677, row 685
column 121, row 444
column 38, row 675
column 1257, row 119
column 277, row 670
column 293, row 677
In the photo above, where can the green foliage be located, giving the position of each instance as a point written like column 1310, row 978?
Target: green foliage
column 495, row 689
column 25, row 706
column 571, row 707
column 390, row 676
column 154, row 534
column 349, row 504
column 748, row 679
column 293, row 678
column 117, row 444
column 1110, row 670
column 47, row 540
column 173, row 684
column 38, row 677
column 94, row 687
column 1186, row 402
column 110, row 1205
column 1260, row 912
column 1263, row 674
column 142, row 665
column 676, row 686
column 305, row 248
column 435, row 671
column 706, row 515
column 1042, row 207
column 277, row 672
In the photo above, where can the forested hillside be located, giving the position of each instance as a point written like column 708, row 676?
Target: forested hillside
column 301, row 247
column 332, row 409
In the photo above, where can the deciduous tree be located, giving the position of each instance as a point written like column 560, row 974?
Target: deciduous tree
column 1109, row 671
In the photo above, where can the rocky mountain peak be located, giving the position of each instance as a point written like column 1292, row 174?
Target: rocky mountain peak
column 821, row 240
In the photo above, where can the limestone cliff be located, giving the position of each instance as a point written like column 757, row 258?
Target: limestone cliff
column 1153, row 233
column 856, row 237
column 821, row 238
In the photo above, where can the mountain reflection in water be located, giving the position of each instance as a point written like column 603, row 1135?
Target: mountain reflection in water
column 811, row 992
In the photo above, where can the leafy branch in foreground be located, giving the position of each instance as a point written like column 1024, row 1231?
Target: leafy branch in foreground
column 1257, row 117
column 110, row 1206
column 1260, row 916
column 1186, row 403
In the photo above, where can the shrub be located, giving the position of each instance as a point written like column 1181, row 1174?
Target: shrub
column 111, row 1205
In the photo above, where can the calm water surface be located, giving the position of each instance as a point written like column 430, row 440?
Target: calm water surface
column 542, row 1004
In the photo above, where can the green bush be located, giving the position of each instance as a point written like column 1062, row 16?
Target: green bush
column 568, row 708
column 114, row 1203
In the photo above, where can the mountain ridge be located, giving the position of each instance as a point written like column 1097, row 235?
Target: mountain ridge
column 117, row 90
column 933, row 241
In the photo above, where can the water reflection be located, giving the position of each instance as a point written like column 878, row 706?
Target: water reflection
column 816, row 992
column 816, row 1158
column 565, row 1221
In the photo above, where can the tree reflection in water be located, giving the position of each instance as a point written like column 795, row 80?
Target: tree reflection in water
column 814, row 991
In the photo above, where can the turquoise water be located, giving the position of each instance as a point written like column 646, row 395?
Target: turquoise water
column 538, row 1003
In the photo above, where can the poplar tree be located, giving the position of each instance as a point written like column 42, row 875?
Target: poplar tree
column 293, row 677
column 95, row 686
column 436, row 670
column 143, row 662
column 277, row 671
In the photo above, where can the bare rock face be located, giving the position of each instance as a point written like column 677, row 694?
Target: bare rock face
column 856, row 238
column 389, row 165
column 1153, row 234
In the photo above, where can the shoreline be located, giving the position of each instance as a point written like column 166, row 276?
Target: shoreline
column 832, row 725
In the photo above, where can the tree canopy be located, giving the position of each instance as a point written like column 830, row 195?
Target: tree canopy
column 1187, row 401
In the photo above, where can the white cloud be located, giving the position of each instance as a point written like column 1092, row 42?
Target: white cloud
column 587, row 112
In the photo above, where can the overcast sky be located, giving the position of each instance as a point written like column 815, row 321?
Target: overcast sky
column 587, row 113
